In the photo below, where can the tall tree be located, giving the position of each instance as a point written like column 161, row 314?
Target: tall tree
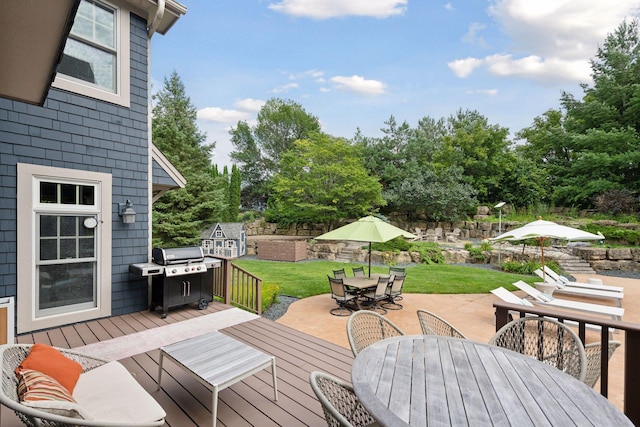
column 180, row 215
column 322, row 180
column 477, row 147
column 258, row 149
column 593, row 146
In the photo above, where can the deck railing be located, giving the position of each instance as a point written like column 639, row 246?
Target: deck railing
column 606, row 326
column 236, row 286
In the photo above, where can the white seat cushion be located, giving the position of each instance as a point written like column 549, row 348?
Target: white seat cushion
column 110, row 393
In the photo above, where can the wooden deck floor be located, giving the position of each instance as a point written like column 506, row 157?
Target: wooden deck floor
column 247, row 403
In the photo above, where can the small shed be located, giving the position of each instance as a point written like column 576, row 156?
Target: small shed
column 227, row 239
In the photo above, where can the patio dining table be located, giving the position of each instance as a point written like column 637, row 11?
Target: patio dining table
column 419, row 380
column 362, row 282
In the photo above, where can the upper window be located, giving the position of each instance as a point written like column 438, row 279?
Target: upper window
column 90, row 53
column 95, row 61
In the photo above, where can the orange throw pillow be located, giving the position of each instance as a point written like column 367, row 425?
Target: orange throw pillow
column 51, row 362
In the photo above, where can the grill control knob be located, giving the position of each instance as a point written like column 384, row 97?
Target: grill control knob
column 174, row 270
column 186, row 269
column 198, row 268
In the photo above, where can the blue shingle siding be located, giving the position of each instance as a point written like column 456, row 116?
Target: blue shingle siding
column 77, row 132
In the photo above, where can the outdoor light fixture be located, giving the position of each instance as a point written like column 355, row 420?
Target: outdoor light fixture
column 499, row 206
column 126, row 212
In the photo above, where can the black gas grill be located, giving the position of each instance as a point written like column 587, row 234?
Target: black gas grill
column 178, row 276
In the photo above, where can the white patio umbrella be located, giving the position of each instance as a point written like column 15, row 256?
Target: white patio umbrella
column 542, row 230
column 367, row 229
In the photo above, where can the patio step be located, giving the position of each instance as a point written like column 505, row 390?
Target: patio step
column 574, row 264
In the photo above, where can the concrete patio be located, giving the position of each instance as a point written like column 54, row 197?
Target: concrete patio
column 472, row 314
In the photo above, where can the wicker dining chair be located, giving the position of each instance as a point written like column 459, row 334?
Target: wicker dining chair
column 367, row 327
column 339, row 402
column 594, row 357
column 547, row 340
column 432, row 324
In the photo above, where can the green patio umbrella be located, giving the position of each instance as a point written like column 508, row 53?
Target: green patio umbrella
column 368, row 229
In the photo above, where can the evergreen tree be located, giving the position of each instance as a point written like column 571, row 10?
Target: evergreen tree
column 181, row 215
column 235, row 183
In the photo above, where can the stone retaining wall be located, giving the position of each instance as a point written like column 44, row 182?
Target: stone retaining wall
column 626, row 259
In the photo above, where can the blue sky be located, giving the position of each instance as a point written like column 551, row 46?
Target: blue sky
column 355, row 63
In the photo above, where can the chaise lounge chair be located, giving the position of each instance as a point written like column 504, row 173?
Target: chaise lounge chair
column 558, row 278
column 562, row 288
column 540, row 298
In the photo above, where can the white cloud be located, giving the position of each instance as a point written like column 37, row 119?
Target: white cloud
column 490, row 92
column 464, row 67
column 219, row 115
column 551, row 40
column 250, row 104
column 570, row 29
column 314, row 74
column 285, row 88
column 472, row 35
column 535, row 68
column 325, row 9
column 449, row 7
column 359, row 85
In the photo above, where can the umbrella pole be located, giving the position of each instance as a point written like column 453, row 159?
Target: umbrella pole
column 369, row 259
column 542, row 258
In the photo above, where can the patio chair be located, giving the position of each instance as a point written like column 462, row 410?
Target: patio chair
column 431, row 236
column 397, row 271
column 342, row 297
column 547, row 340
column 394, row 293
column 339, row 274
column 105, row 391
column 452, row 236
column 367, row 327
column 593, row 353
column 376, row 295
column 432, row 324
column 358, row 272
column 418, row 234
column 339, row 402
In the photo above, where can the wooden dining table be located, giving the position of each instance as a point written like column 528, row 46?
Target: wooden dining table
column 426, row 380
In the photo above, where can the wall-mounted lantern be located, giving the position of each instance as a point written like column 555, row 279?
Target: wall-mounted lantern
column 126, row 212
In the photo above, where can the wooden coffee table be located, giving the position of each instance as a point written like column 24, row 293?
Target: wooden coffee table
column 217, row 361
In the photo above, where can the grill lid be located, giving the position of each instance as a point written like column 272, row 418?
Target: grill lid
column 169, row 256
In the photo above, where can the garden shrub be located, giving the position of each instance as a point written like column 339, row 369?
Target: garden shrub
column 615, row 202
column 270, row 293
column 614, row 233
column 528, row 267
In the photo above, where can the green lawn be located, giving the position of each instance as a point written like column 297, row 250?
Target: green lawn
column 304, row 279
